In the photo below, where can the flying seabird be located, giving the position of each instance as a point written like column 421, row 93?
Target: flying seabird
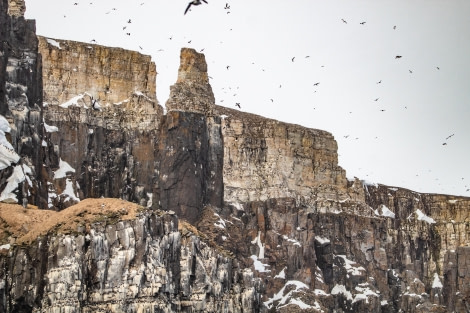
column 227, row 6
column 316, row 84
column 398, row 56
column 238, row 105
column 379, row 82
column 362, row 23
column 293, row 59
column 194, row 2
column 344, row 21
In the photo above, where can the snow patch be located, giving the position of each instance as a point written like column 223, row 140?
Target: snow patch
column 282, row 274
column 73, row 101
column 322, row 241
column 68, row 192
column 5, row 247
column 220, row 223
column 259, row 266
column 341, row 289
column 238, row 206
column 53, row 43
column 18, row 176
column 64, row 167
column 150, row 196
column 319, row 292
column 436, row 283
column 296, row 243
column 424, row 217
column 7, row 153
column 364, row 293
column 257, row 241
column 283, row 299
column 348, row 265
column 50, row 129
column 385, row 212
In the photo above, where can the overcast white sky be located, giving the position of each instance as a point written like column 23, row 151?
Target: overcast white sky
column 396, row 140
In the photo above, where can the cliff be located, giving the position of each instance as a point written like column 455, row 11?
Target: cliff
column 201, row 209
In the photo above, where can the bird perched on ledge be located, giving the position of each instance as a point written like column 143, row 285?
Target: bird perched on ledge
column 194, row 2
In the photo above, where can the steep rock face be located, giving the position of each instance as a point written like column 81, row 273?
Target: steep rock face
column 21, row 132
column 108, row 255
column 275, row 224
column 110, row 75
column 266, row 159
column 190, row 163
column 407, row 253
column 102, row 116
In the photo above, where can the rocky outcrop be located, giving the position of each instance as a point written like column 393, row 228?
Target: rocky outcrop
column 21, row 132
column 108, row 255
column 230, row 211
column 109, row 75
column 103, row 114
column 192, row 91
column 265, row 159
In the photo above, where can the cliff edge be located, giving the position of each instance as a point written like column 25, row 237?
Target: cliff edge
column 109, row 204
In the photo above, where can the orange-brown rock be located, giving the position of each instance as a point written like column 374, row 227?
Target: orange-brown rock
column 110, row 75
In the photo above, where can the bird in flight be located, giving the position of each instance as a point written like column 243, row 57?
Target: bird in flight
column 293, row 59
column 194, row 2
column 316, row 84
column 448, row 137
column 344, row 21
column 376, row 99
column 362, row 23
column 398, row 56
column 379, row 82
column 238, row 105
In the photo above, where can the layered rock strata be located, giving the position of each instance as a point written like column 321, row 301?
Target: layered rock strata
column 192, row 91
column 21, row 132
column 110, row 75
column 102, row 117
column 274, row 225
column 108, row 255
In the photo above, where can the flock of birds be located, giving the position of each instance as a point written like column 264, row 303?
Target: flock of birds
column 194, row 3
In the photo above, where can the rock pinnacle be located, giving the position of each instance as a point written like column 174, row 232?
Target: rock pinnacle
column 192, row 91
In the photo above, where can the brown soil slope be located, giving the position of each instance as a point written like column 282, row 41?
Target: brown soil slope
column 24, row 225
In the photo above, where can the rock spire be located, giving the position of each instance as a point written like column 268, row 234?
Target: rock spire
column 192, row 91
